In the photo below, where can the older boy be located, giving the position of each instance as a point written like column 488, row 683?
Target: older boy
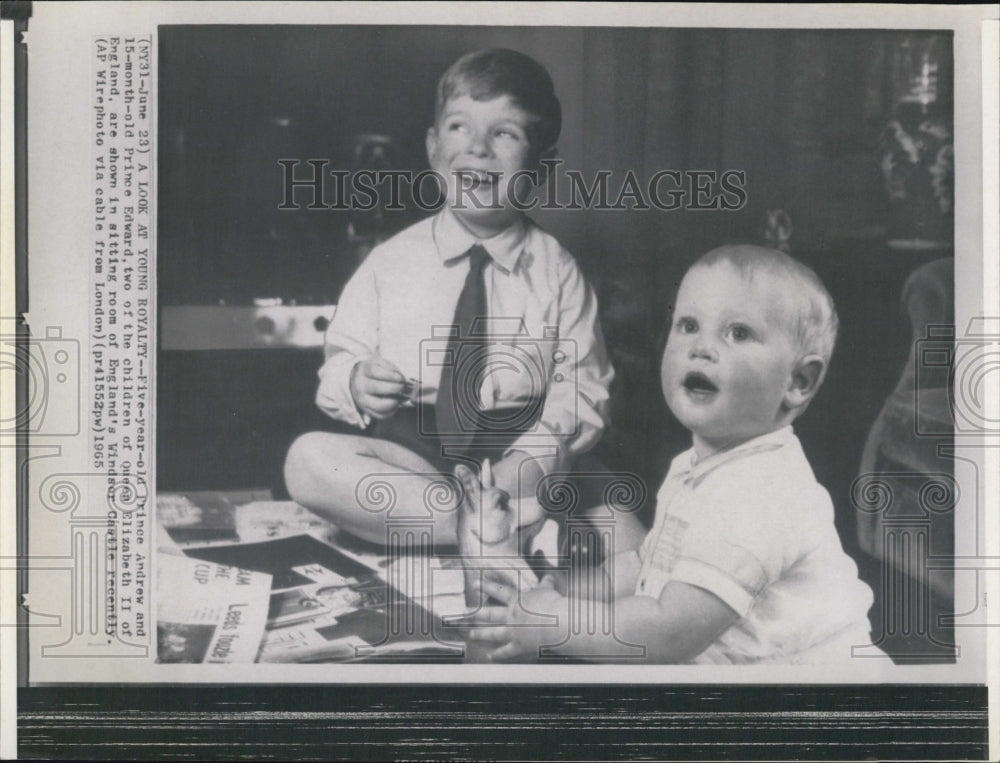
column 743, row 564
column 469, row 335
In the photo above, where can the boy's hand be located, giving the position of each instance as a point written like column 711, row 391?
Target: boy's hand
column 528, row 621
column 378, row 387
column 486, row 533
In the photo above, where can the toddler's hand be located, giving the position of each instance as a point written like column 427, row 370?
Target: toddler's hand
column 378, row 387
column 528, row 621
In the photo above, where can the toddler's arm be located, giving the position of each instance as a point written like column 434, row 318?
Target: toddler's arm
column 675, row 627
column 623, row 568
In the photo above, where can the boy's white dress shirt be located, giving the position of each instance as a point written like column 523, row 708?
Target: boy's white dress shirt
column 752, row 526
column 543, row 318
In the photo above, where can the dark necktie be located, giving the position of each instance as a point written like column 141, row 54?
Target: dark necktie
column 458, row 403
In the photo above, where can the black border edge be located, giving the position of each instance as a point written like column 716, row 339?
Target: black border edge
column 505, row 722
column 19, row 11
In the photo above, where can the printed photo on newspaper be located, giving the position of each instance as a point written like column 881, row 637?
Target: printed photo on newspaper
column 612, row 345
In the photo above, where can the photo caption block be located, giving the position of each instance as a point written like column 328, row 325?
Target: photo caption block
column 121, row 306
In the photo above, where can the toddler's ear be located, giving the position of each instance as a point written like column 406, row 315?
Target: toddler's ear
column 805, row 380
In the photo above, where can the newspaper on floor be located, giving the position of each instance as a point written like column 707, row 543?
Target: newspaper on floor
column 352, row 621
column 208, row 612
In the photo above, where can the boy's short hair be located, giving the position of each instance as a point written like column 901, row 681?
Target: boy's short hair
column 490, row 73
column 816, row 326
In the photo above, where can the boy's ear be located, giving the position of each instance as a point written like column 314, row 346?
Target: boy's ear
column 431, row 142
column 805, row 380
column 543, row 169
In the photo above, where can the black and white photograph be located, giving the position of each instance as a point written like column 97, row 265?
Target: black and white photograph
column 535, row 363
column 313, row 239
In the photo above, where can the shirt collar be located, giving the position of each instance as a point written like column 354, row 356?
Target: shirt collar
column 453, row 240
column 693, row 472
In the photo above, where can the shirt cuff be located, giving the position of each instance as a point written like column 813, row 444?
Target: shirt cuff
column 334, row 393
column 651, row 582
column 712, row 579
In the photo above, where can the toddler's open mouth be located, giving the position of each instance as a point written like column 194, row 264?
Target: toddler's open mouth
column 698, row 384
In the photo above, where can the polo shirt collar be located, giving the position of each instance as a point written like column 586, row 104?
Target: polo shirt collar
column 687, row 468
column 453, row 240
